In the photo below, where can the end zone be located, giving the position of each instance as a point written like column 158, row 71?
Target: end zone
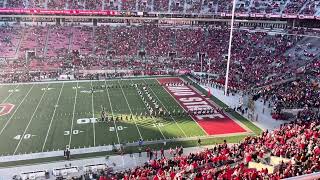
column 213, row 124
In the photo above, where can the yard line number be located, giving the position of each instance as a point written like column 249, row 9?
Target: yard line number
column 119, row 128
column 26, row 136
column 74, row 132
column 13, row 90
column 46, row 89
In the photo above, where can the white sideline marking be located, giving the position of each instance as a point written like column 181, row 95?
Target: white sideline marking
column 74, row 108
column 16, row 110
column 52, row 117
column 93, row 126
column 114, row 121
column 130, row 110
column 167, row 110
column 34, row 112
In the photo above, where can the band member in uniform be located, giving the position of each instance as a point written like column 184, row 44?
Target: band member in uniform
column 103, row 114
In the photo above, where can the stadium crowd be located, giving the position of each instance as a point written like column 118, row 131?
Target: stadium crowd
column 266, row 65
column 260, row 59
column 296, row 141
column 88, row 48
column 302, row 7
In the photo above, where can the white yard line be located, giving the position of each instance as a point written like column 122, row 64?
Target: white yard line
column 155, row 122
column 34, row 113
column 130, row 109
column 185, row 110
column 8, row 121
column 167, row 111
column 93, row 126
column 114, row 121
column 159, row 128
column 74, row 108
column 52, row 117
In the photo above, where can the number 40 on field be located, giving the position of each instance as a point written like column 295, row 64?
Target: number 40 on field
column 26, row 136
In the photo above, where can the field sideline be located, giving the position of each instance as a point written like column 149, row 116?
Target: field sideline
column 48, row 116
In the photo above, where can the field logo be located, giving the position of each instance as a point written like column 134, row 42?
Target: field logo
column 5, row 108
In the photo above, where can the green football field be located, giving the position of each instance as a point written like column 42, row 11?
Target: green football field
column 49, row 116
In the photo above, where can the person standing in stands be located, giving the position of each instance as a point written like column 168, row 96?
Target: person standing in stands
column 180, row 150
column 155, row 154
column 171, row 151
column 151, row 154
column 148, row 151
column 161, row 153
column 140, row 149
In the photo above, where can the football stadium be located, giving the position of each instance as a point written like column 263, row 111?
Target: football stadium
column 159, row 89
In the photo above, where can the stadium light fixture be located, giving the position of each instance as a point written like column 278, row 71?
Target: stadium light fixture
column 229, row 49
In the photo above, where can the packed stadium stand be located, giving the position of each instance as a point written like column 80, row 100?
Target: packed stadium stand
column 271, row 57
column 295, row 142
column 303, row 7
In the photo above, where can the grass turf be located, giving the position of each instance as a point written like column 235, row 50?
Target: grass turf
column 50, row 116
